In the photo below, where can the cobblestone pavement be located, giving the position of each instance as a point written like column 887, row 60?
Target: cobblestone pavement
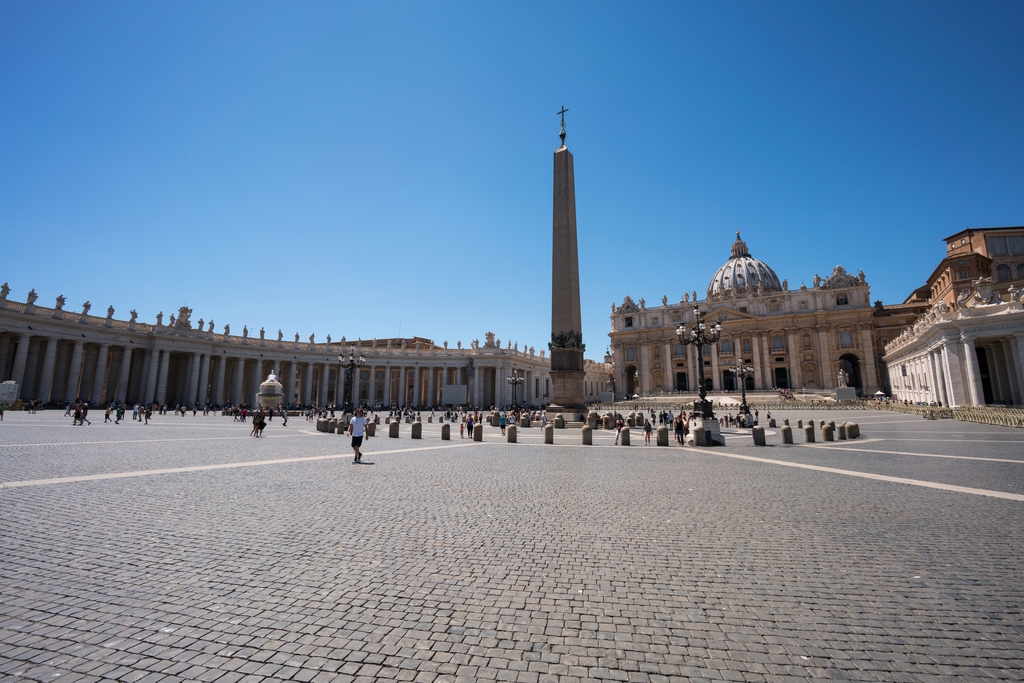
column 186, row 551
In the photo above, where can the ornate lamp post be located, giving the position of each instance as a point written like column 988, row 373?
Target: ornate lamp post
column 742, row 372
column 354, row 362
column 699, row 334
column 515, row 379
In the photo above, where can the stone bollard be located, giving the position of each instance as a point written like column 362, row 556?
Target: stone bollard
column 446, row 432
column 371, row 428
column 841, row 431
column 609, row 422
column 478, row 432
column 832, row 424
column 809, row 433
column 510, row 432
column 787, row 434
column 549, row 434
column 430, row 418
column 495, row 420
column 852, row 430
column 758, row 433
column 822, row 423
column 588, row 436
column 592, row 419
column 827, row 433
column 662, row 435
column 524, row 422
column 387, row 420
column 631, row 420
column 771, row 423
column 786, row 422
column 393, row 430
column 559, row 422
column 624, row 436
column 699, row 437
column 417, row 430
column 799, row 424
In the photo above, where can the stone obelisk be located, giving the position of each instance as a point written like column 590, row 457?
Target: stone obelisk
column 566, row 335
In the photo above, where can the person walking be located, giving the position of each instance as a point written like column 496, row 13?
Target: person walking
column 106, row 415
column 618, row 429
column 356, row 429
column 647, row 432
column 501, row 423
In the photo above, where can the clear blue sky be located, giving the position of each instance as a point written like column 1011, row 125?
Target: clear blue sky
column 335, row 168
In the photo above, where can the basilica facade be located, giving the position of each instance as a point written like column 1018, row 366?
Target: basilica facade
column 797, row 339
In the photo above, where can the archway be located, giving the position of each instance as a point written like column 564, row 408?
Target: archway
column 632, row 380
column 851, row 365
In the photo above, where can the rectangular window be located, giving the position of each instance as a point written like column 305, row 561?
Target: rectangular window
column 774, row 308
column 803, row 305
column 629, row 321
column 996, row 246
column 746, row 346
column 1015, row 244
column 842, row 300
column 846, row 337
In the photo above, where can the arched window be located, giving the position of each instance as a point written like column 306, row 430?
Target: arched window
column 846, row 338
column 679, row 349
column 726, row 346
column 777, row 343
column 630, row 355
column 1003, row 273
column 1020, row 271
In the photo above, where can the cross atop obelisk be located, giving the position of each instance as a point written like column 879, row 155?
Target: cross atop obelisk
column 566, row 344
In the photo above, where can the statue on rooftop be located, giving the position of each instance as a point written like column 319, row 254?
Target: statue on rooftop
column 59, row 306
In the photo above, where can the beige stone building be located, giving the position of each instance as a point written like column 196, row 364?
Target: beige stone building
column 793, row 338
column 55, row 355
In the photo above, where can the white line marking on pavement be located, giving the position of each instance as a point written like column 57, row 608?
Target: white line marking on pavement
column 202, row 468
column 131, row 441
column 863, row 475
column 922, row 455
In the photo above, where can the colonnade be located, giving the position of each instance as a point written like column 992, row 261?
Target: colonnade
column 960, row 370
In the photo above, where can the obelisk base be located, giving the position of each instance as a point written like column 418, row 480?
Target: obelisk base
column 567, row 382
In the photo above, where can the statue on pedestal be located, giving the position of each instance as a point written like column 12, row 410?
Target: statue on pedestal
column 134, row 315
column 296, row 337
column 263, row 334
column 85, row 308
column 32, row 296
column 280, row 335
column 4, row 291
column 160, row 319
column 245, row 332
column 110, row 312
column 311, row 337
column 227, row 329
column 209, row 326
column 59, row 306
column 200, row 326
column 171, row 321
column 843, row 378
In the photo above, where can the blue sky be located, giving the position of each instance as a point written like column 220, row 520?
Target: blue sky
column 352, row 168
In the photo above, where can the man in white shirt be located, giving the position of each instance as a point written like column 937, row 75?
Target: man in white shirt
column 357, row 427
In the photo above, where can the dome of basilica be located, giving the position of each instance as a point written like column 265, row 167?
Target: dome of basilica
column 740, row 271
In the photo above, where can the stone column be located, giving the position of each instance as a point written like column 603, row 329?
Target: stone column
column 193, row 379
column 941, row 372
column 49, row 363
column 717, row 381
column 123, row 373
column 975, row 392
column 954, row 376
column 289, row 387
column 755, row 350
column 237, row 381
column 71, row 390
column 826, row 358
column 307, row 384
column 21, row 357
column 255, row 381
column 152, row 365
column 691, row 369
column 416, row 387
column 204, row 380
column 1017, row 358
column 161, row 378
column 474, row 394
column 277, row 369
column 5, row 347
column 870, row 359
column 431, row 387
column 387, row 385
column 218, row 381
column 100, row 374
column 325, row 374
column 794, row 361
column 1008, row 371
